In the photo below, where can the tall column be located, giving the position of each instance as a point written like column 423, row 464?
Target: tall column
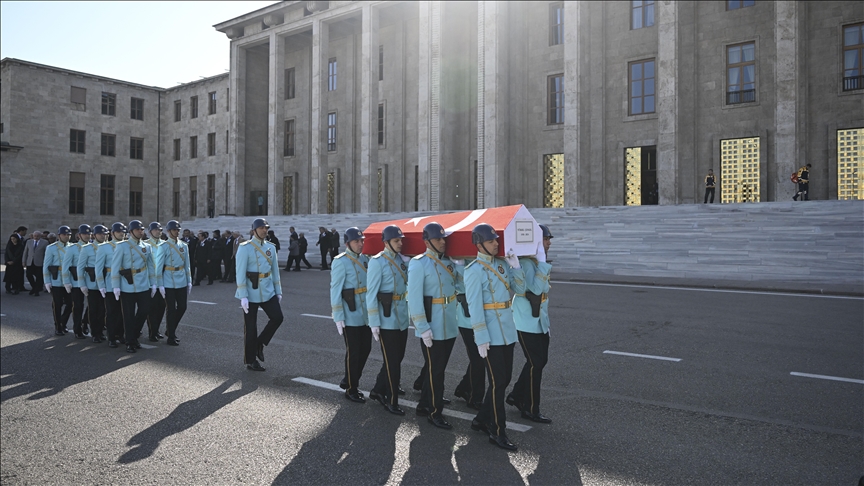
column 488, row 15
column 786, row 149
column 317, row 124
column 427, row 116
column 572, row 135
column 667, row 101
column 275, row 114
column 237, row 138
column 368, row 105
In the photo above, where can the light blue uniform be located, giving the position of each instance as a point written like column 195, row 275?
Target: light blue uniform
column 537, row 282
column 172, row 264
column 136, row 256
column 488, row 282
column 70, row 259
column 155, row 244
column 104, row 256
column 348, row 271
column 54, row 257
column 430, row 276
column 87, row 258
column 388, row 273
column 257, row 256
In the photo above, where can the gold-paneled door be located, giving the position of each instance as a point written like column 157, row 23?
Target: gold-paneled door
column 288, row 195
column 850, row 164
column 633, row 161
column 331, row 192
column 553, row 181
column 739, row 170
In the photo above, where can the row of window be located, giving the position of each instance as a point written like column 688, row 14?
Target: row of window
column 193, row 105
column 78, row 145
column 106, row 194
column 78, row 98
column 193, row 145
column 332, row 75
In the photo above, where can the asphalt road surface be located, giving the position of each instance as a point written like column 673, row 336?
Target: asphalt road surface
column 645, row 385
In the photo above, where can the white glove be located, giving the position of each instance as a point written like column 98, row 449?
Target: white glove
column 153, row 291
column 102, row 291
column 162, row 291
column 541, row 253
column 405, row 258
column 244, row 303
column 188, row 289
column 459, row 261
column 549, row 332
column 483, row 349
column 117, row 294
column 339, row 326
column 85, row 291
column 376, row 332
column 68, row 288
column 48, row 287
column 280, row 298
column 512, row 260
column 427, row 338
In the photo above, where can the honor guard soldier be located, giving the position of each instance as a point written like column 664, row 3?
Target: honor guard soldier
column 61, row 300
column 473, row 384
column 531, row 314
column 89, row 285
column 133, row 279
column 348, row 302
column 173, row 269
column 71, row 278
column 258, row 285
column 113, row 311
column 432, row 304
column 488, row 282
column 387, row 307
column 157, row 302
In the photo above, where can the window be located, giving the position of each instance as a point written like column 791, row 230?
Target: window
column 109, row 144
column 289, row 139
column 176, row 206
column 193, row 147
column 381, row 125
column 136, row 196
column 643, row 14
column 226, row 141
column 331, row 74
column 739, row 170
column 853, row 51
column 642, row 87
column 212, row 97
column 211, row 144
column 289, row 84
column 331, row 132
column 106, row 194
column 76, row 141
column 76, row 193
column 741, row 73
column 176, row 149
column 79, row 98
column 193, row 102
column 555, row 95
column 556, row 24
column 109, row 104
column 380, row 63
column 227, row 99
column 136, row 148
column 736, row 4
column 193, row 196
column 177, row 111
column 137, row 109
column 850, row 163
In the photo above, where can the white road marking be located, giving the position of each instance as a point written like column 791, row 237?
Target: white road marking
column 727, row 291
column 409, row 403
column 825, row 377
column 2, row 315
column 148, row 346
column 202, row 302
column 664, row 358
column 318, row 316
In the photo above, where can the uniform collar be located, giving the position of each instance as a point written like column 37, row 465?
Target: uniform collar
column 348, row 250
column 155, row 241
column 133, row 240
column 485, row 257
column 390, row 252
column 258, row 240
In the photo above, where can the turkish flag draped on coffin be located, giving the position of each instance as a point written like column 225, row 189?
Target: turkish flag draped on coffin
column 516, row 228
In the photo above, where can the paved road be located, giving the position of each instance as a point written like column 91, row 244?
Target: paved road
column 723, row 407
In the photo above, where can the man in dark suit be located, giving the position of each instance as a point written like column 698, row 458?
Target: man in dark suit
column 228, row 257
column 202, row 259
column 34, row 256
column 304, row 247
column 192, row 243
column 215, row 257
column 323, row 244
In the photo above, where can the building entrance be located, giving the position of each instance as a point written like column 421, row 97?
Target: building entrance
column 640, row 172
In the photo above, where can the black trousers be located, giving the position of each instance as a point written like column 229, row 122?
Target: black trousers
column 393, row 344
column 215, row 272
column 136, row 307
column 324, row 252
column 230, row 270
column 803, row 191
column 203, row 271
column 77, row 308
column 499, row 368
column 61, row 306
column 436, row 359
column 709, row 190
column 175, row 301
column 358, row 344
column 157, row 312
column 302, row 258
column 526, row 391
column 113, row 317
column 34, row 276
column 251, row 338
column 473, row 382
column 96, row 312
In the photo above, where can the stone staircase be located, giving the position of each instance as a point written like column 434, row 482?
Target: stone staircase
column 799, row 243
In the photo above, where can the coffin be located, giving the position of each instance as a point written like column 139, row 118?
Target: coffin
column 516, row 228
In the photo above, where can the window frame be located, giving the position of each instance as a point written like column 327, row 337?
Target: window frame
column 641, row 80
column 740, row 4
column 644, row 6
column 556, row 24
column 382, row 124
column 193, row 106
column 552, row 96
column 110, row 147
column 211, row 103
column 290, row 84
column 289, row 139
column 332, row 74
column 109, row 104
column 136, row 198
column 381, row 62
column 741, row 65
column 136, row 148
column 193, row 196
column 178, row 113
column 76, row 193
column 77, row 141
column 107, row 193
column 332, row 141
column 176, row 149
column 193, row 147
column 847, row 83
column 80, row 94
column 137, row 112
column 211, row 144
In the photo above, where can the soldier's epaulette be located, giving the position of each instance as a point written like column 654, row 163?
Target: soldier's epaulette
column 245, row 243
column 469, row 265
column 339, row 255
column 419, row 256
column 378, row 255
